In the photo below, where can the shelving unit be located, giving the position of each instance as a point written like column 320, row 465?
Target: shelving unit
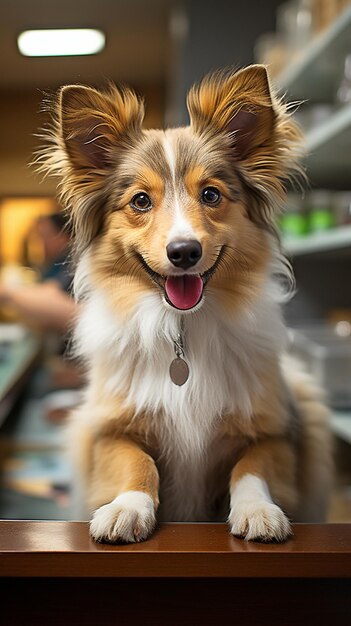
column 332, row 138
column 313, row 76
column 322, row 261
column 341, row 424
column 21, row 355
column 313, row 79
column 330, row 240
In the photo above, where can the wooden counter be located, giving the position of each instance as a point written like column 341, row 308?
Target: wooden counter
column 64, row 549
column 186, row 574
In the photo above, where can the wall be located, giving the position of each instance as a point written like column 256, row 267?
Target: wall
column 211, row 35
column 21, row 119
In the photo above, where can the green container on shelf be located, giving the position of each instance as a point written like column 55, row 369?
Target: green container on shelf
column 322, row 219
column 322, row 216
column 294, row 224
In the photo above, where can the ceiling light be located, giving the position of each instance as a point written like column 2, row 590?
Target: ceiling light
column 63, row 42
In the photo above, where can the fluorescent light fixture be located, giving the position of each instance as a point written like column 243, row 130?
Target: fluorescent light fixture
column 62, row 42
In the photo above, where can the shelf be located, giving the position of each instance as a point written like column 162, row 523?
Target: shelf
column 341, row 425
column 328, row 151
column 15, row 366
column 315, row 75
column 330, row 130
column 334, row 239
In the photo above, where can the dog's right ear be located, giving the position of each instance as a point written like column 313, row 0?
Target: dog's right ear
column 89, row 130
column 94, row 125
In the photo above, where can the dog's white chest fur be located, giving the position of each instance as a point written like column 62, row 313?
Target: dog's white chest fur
column 225, row 358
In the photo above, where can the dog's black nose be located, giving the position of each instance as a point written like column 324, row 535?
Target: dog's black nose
column 184, row 253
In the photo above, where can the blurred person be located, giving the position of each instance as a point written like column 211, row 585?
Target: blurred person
column 54, row 237
column 47, row 305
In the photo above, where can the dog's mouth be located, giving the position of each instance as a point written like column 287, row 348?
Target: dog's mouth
column 182, row 291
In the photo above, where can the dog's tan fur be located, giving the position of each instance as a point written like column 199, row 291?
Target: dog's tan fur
column 242, row 141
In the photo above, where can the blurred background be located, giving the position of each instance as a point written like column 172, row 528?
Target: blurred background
column 160, row 47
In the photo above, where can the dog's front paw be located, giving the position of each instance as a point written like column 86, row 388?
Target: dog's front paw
column 261, row 521
column 128, row 518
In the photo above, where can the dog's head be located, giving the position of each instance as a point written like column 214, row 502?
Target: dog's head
column 187, row 212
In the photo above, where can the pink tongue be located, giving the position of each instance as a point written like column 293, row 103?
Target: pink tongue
column 185, row 291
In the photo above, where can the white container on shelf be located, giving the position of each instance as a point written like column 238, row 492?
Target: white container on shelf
column 326, row 352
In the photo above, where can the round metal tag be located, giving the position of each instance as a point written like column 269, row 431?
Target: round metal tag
column 179, row 371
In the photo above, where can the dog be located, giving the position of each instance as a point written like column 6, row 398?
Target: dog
column 192, row 411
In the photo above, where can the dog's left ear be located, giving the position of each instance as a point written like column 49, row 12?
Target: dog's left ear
column 238, row 110
column 94, row 125
column 238, row 104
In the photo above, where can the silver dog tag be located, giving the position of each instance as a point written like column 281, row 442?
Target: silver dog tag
column 179, row 371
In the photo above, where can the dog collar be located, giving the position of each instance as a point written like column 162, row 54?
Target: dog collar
column 179, row 369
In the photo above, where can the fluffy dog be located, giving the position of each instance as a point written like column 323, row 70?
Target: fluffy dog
column 190, row 412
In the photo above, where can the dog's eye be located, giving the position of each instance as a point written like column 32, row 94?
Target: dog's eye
column 141, row 202
column 211, row 196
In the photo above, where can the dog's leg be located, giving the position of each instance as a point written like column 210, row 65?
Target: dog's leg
column 264, row 475
column 124, row 491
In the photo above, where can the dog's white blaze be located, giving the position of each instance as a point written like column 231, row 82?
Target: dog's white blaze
column 167, row 144
column 181, row 227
